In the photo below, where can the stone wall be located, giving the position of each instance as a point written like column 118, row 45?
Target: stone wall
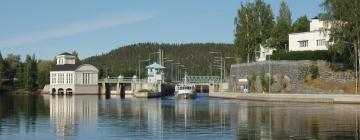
column 337, row 76
column 295, row 70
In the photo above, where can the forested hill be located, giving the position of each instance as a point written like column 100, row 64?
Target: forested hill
column 196, row 57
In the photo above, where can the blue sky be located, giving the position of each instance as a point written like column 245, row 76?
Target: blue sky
column 92, row 27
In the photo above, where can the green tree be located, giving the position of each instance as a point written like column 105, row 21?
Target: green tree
column 254, row 23
column 30, row 73
column 13, row 63
column 342, row 18
column 302, row 24
column 280, row 33
column 44, row 72
column 77, row 59
column 2, row 71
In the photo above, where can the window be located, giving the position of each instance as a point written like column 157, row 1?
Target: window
column 304, row 43
column 53, row 78
column 69, row 78
column 320, row 42
column 61, row 78
column 86, row 78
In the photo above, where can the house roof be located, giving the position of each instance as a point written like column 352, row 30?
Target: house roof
column 155, row 66
column 65, row 53
column 65, row 67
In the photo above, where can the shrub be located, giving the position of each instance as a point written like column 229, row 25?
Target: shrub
column 302, row 55
column 314, row 71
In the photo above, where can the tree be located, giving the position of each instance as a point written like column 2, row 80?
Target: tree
column 280, row 34
column 77, row 60
column 12, row 65
column 302, row 24
column 254, row 23
column 30, row 73
column 2, row 71
column 44, row 72
column 342, row 18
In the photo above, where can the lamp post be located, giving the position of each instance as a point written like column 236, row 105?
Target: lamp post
column 177, row 72
column 168, row 60
column 225, row 64
column 221, row 61
column 172, row 70
column 139, row 67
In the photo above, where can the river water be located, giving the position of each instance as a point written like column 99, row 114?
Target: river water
column 92, row 117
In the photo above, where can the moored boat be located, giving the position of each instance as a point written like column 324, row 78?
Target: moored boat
column 185, row 90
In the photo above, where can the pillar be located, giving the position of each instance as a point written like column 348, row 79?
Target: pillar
column 103, row 88
column 118, row 87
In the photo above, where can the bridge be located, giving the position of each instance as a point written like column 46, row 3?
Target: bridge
column 126, row 85
column 203, row 80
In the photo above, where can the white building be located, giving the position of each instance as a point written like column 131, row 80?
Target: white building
column 316, row 39
column 155, row 73
column 263, row 53
column 67, row 77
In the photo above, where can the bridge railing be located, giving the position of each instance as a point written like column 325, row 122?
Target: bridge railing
column 203, row 79
column 116, row 79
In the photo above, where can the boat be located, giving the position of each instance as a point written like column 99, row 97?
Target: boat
column 185, row 90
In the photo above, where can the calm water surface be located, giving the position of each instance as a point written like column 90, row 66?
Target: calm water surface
column 93, row 117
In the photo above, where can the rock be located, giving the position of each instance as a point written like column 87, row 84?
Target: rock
column 257, row 85
column 276, row 85
column 286, row 84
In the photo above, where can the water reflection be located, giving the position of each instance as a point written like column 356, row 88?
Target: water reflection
column 66, row 112
column 91, row 117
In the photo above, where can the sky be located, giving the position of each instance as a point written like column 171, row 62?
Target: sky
column 93, row 27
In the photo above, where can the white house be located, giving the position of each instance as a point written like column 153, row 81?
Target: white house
column 155, row 73
column 316, row 39
column 67, row 77
column 263, row 53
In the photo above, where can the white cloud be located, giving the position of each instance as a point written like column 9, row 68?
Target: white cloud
column 74, row 28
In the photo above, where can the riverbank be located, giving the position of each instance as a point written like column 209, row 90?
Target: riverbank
column 303, row 98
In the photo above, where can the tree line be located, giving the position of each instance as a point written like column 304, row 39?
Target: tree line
column 17, row 76
column 255, row 25
column 194, row 56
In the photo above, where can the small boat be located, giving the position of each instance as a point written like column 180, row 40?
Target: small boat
column 185, row 90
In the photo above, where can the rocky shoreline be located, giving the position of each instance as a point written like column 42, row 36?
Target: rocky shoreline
column 290, row 97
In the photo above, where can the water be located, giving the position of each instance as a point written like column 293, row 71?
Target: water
column 92, row 117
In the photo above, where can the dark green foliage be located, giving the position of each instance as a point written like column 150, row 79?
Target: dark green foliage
column 344, row 18
column 43, row 67
column 265, row 81
column 30, row 73
column 302, row 24
column 125, row 60
column 2, row 71
column 302, row 55
column 77, row 60
column 254, row 23
column 280, row 33
column 314, row 71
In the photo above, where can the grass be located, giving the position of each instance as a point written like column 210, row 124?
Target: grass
column 347, row 87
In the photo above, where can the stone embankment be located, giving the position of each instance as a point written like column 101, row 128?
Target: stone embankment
column 302, row 98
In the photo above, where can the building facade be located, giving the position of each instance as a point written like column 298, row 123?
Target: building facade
column 155, row 73
column 67, row 77
column 264, row 53
column 316, row 39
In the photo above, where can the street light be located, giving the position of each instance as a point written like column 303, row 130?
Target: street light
column 225, row 64
column 169, row 60
column 172, row 70
column 139, row 67
column 221, row 61
column 177, row 72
